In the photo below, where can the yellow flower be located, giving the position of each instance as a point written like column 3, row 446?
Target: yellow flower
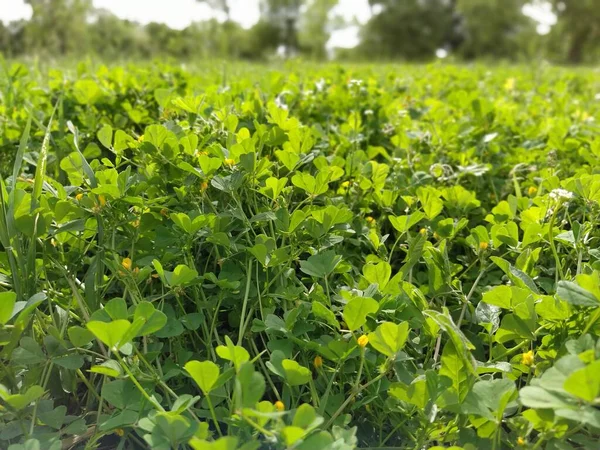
column 120, row 432
column 102, row 200
column 435, row 235
column 527, row 358
column 141, row 138
column 136, row 223
column 204, row 185
column 520, row 441
column 126, row 263
column 345, row 184
column 423, row 231
column 279, row 406
column 532, row 191
column 483, row 245
column 509, row 85
column 370, row 220
column 318, row 362
column 78, row 197
column 363, row 340
column 229, row 162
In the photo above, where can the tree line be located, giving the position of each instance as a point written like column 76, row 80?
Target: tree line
column 406, row 30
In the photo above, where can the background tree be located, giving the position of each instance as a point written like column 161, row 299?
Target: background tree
column 407, row 29
column 58, row 26
column 315, row 28
column 493, row 28
column 576, row 35
column 285, row 15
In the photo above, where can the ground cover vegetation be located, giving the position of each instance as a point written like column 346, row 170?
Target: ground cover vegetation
column 316, row 257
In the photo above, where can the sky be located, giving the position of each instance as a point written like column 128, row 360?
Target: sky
column 181, row 13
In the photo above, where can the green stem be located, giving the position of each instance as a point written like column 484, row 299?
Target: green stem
column 152, row 401
column 213, row 415
column 245, row 304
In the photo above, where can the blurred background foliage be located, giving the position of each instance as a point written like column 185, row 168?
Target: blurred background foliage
column 405, row 30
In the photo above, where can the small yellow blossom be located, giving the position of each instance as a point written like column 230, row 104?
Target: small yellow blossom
column 532, row 191
column 370, row 220
column 520, row 441
column 509, row 85
column 527, row 358
column 436, row 235
column 363, row 340
column 126, row 263
column 423, row 231
column 346, row 184
column 141, row 138
column 204, row 185
column 229, row 162
column 318, row 362
column 136, row 223
column 78, row 197
column 279, row 406
column 483, row 245
column 102, row 200
column 120, row 432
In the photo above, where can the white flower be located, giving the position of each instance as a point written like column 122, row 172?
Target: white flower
column 280, row 103
column 561, row 194
column 320, row 85
column 368, row 112
column 353, row 83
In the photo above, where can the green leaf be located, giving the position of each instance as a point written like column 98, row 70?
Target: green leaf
column 389, row 338
column 205, row 374
column 295, row 374
column 80, row 337
column 105, row 135
column 110, row 333
column 585, row 383
column 291, row 435
column 224, row 443
column 151, row 319
column 574, row 294
column 7, row 304
column 538, row 397
column 116, row 308
column 182, row 275
column 404, row 223
column 234, row 353
column 379, row 273
column 322, row 312
column 249, row 386
column 305, row 416
column 73, row 361
column 356, row 311
column 320, row 265
column 20, row 401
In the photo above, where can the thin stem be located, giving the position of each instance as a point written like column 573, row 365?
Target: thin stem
column 213, row 415
column 245, row 304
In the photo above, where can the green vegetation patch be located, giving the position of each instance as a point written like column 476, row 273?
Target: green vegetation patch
column 313, row 258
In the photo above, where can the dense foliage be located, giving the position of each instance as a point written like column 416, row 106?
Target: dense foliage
column 309, row 258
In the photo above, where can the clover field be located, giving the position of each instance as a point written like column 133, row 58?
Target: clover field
column 304, row 257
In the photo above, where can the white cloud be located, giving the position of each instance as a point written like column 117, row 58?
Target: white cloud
column 14, row 10
column 175, row 13
column 542, row 13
